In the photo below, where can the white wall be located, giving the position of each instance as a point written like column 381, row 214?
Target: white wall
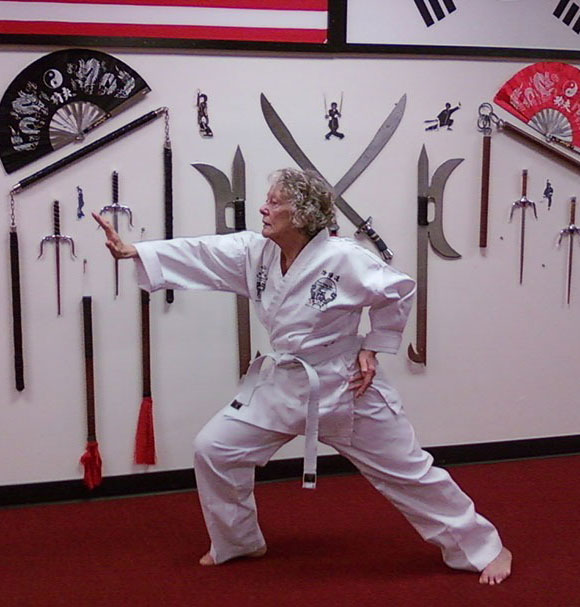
column 502, row 358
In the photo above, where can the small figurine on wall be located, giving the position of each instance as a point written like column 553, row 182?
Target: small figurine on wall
column 332, row 115
column 443, row 118
column 548, row 193
column 202, row 116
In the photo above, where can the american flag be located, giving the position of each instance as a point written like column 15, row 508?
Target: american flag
column 294, row 21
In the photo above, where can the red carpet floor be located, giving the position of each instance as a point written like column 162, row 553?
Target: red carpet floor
column 340, row 545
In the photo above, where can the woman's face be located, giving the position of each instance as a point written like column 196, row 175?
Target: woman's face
column 277, row 217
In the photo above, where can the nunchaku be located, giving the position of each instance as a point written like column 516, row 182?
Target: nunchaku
column 378, row 142
column 91, row 458
column 232, row 195
column 523, row 203
column 35, row 178
column 57, row 238
column 571, row 230
column 16, row 301
column 429, row 192
column 484, row 124
column 116, row 209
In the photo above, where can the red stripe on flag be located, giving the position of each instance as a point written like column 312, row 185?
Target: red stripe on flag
column 188, row 32
column 286, row 5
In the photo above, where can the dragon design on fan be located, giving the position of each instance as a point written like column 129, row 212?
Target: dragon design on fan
column 546, row 96
column 59, row 98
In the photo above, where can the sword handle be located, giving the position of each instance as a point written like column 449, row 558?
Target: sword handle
column 572, row 210
column 56, row 217
column 484, row 208
column 524, row 183
column 115, row 183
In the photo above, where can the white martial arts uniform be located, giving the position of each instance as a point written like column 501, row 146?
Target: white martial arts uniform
column 312, row 314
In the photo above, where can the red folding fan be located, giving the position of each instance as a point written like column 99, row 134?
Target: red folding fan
column 546, row 96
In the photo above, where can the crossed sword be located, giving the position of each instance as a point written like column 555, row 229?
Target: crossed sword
column 378, row 142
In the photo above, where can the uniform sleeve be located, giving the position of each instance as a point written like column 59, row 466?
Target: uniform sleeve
column 214, row 262
column 390, row 296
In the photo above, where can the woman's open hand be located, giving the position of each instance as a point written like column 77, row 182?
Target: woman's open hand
column 119, row 250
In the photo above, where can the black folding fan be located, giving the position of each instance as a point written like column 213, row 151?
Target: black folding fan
column 59, row 98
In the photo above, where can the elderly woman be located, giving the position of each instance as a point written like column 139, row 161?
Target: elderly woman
column 309, row 290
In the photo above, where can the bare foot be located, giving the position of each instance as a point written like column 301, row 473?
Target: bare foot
column 207, row 559
column 498, row 570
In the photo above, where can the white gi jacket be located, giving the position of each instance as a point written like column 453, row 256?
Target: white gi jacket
column 314, row 306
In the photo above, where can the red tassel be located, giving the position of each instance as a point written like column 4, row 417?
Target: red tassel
column 145, row 436
column 91, row 460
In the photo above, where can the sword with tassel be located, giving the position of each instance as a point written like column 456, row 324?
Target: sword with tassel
column 56, row 237
column 16, row 303
column 523, row 203
column 145, row 434
column 91, row 458
column 570, row 231
column 115, row 209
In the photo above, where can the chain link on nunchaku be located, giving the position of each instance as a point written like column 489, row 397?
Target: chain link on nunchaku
column 116, row 209
column 523, row 203
column 57, row 238
column 571, row 230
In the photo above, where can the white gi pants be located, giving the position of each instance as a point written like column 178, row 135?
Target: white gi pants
column 382, row 446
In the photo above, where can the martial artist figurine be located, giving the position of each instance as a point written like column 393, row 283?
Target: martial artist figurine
column 443, row 118
column 309, row 290
column 332, row 116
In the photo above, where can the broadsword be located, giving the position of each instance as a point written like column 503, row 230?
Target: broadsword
column 429, row 232
column 232, row 196
column 381, row 138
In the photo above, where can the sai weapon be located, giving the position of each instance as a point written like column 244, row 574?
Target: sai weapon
column 57, row 238
column 115, row 209
column 429, row 232
column 523, row 203
column 571, row 231
column 226, row 196
column 378, row 142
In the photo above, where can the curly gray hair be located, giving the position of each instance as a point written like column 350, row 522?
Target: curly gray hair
column 311, row 197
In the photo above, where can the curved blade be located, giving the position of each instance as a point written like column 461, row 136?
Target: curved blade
column 436, row 236
column 222, row 192
column 378, row 142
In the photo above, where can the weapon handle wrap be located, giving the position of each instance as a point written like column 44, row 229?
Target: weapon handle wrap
column 56, row 217
column 484, row 209
column 168, row 192
column 115, row 185
column 145, row 344
column 89, row 370
column 422, row 210
column 239, row 214
column 89, row 149
column 16, row 311
column 524, row 182
column 573, row 210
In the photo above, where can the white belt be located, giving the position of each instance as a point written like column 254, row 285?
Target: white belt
column 307, row 359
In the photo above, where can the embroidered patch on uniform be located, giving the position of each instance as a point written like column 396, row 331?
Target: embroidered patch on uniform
column 324, row 290
column 236, row 405
column 261, row 279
